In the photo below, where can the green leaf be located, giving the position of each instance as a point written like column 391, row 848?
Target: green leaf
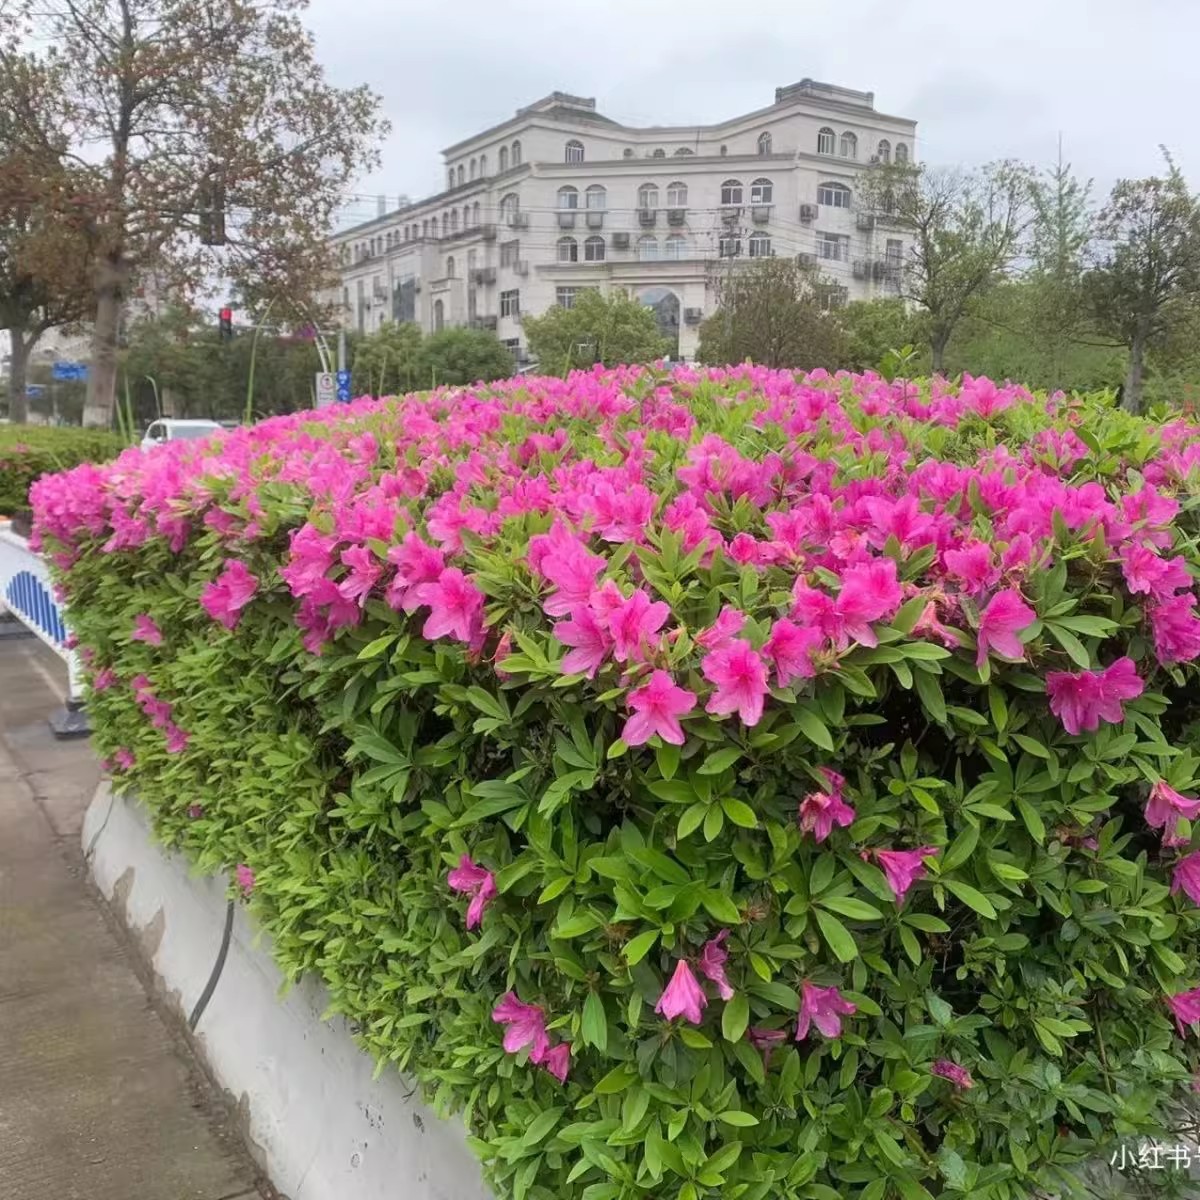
column 849, row 906
column 1032, row 819
column 912, row 947
column 742, row 1120
column 1071, row 644
column 812, row 727
column 719, row 761
column 377, row 647
column 638, row 947
column 540, row 1126
column 690, row 821
column 735, row 1018
column 667, row 757
column 714, row 822
column 720, row 906
column 839, row 938
column 971, row 897
column 930, row 691
column 739, row 812
column 961, row 848
column 594, row 1027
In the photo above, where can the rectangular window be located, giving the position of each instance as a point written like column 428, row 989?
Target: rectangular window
column 895, row 251
column 472, row 258
column 834, row 246
column 513, row 346
column 564, row 297
column 730, row 247
column 510, row 303
column 510, row 252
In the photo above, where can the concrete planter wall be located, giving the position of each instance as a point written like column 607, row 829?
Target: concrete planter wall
column 321, row 1126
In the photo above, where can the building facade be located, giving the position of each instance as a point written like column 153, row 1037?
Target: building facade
column 560, row 198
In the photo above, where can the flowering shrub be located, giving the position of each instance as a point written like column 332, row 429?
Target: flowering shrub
column 721, row 784
column 27, row 451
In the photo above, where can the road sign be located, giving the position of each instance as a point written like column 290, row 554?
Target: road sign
column 326, row 388
column 343, row 386
column 34, row 391
column 69, row 370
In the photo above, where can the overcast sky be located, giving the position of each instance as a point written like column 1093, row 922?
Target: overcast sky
column 983, row 80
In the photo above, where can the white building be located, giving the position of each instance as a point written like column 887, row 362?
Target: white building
column 559, row 198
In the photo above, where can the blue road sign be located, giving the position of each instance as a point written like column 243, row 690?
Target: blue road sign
column 35, row 391
column 343, row 386
column 69, row 370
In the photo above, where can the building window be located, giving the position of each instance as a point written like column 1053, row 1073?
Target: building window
column 764, row 143
column 826, row 140
column 568, row 197
column 425, row 228
column 475, row 212
column 729, row 247
column 683, row 150
column 503, row 158
column 510, row 205
column 513, row 346
column 724, row 151
column 628, row 152
column 574, row 152
column 454, row 220
column 568, row 250
column 461, row 176
column 647, row 249
column 659, row 153
column 596, row 197
column 833, row 246
column 761, row 191
column 836, row 195
column 433, row 227
column 648, row 195
column 516, row 154
column 593, row 250
column 901, row 152
column 471, row 174
column 849, row 146
column 883, row 151
column 731, row 191
column 439, row 315
column 510, row 303
column 450, row 267
column 510, row 252
column 564, row 297
column 472, row 259
column 676, row 246
column 760, row 245
column 482, row 166
column 677, row 195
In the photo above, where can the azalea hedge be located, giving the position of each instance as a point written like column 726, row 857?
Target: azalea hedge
column 30, row 451
column 720, row 784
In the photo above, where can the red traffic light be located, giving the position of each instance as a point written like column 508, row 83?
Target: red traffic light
column 227, row 314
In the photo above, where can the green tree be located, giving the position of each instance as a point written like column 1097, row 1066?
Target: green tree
column 875, row 327
column 610, row 329
column 462, row 356
column 1146, row 277
column 773, row 311
column 964, row 232
column 388, row 361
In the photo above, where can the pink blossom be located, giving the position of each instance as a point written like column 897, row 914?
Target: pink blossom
column 1005, row 615
column 123, row 758
column 1176, row 629
column 870, row 592
column 821, row 811
column 589, row 639
column 1185, row 1006
column 416, row 563
column 140, row 683
column 1148, row 574
column 823, row 1007
column 455, row 607
column 557, row 1061
column 478, row 883
column 524, row 1025
column 364, row 572
column 1082, row 700
column 572, row 569
column 1164, row 810
column 683, row 996
column 712, row 964
column 657, row 708
column 765, row 1040
column 229, row 593
column 790, row 649
column 633, row 623
column 245, row 878
column 1187, row 877
column 740, row 674
column 177, row 739
column 972, row 565
column 195, row 812
column 723, row 630
column 959, row 1076
column 103, row 679
column 904, row 867
column 145, row 630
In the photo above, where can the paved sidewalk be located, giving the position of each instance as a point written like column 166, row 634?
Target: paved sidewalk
column 100, row 1098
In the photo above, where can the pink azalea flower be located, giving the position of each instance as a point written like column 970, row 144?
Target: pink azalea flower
column 140, row 683
column 740, row 674
column 524, row 1025
column 657, row 708
column 123, row 758
column 245, row 878
column 821, row 811
column 790, row 648
column 145, row 630
column 1148, row 574
column 589, row 639
column 1187, row 877
column 364, row 573
column 195, row 812
column 455, row 607
column 1164, row 810
column 1082, row 700
column 633, row 624
column 870, row 592
column 416, row 563
column 972, row 565
column 478, row 883
column 765, row 1040
column 572, row 569
column 959, row 1076
column 1185, row 1006
column 723, row 630
column 712, row 964
column 229, row 593
column 177, row 739
column 103, row 679
column 1005, row 616
column 557, row 1061
column 683, row 996
column 1176, row 629
column 904, row 867
column 823, row 1007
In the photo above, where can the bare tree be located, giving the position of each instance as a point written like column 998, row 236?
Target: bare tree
column 965, row 231
column 222, row 152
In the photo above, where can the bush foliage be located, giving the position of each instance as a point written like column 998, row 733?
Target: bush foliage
column 29, row 451
column 727, row 784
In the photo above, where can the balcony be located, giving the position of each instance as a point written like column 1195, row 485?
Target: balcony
column 483, row 322
column 488, row 232
column 566, row 218
column 760, row 214
column 595, row 218
column 865, row 220
column 620, row 241
column 647, row 217
column 517, row 220
column 482, row 275
column 676, row 216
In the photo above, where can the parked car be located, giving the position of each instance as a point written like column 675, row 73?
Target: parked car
column 171, row 430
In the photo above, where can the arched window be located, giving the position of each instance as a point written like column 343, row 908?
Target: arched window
column 593, row 250
column 433, row 227
column 482, row 166
column 439, row 316
column 596, row 197
column 387, row 241
column 848, row 147
column 659, row 153
column 466, row 216
column 627, row 153
column 682, row 151
column 472, row 171
column 461, row 175
column 568, row 249
column 883, row 151
column 731, row 191
column 676, row 246
column 475, row 213
column 574, row 152
column 764, row 143
column 450, row 267
column 503, row 158
column 677, row 195
column 647, row 248
column 826, row 141
column 450, row 177
column 760, row 245
column 425, row 228
column 724, row 151
column 761, row 191
column 836, row 195
column 648, row 195
column 568, row 197
column 510, row 205
column 901, row 152
column 454, row 220
column 516, row 154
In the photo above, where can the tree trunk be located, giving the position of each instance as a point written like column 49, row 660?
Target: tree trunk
column 18, row 401
column 937, row 350
column 1131, row 401
column 111, row 278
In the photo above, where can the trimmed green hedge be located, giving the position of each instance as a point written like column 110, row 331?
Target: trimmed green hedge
column 29, row 451
column 726, row 784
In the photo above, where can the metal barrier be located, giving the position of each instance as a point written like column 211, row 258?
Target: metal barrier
column 27, row 593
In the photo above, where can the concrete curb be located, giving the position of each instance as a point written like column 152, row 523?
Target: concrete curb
column 321, row 1127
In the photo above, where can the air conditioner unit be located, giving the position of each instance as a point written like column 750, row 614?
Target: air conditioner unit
column 861, row 269
column 489, row 233
column 518, row 220
column 647, row 216
column 807, row 261
column 521, row 266
column 620, row 241
column 693, row 316
column 760, row 214
column 808, row 212
column 595, row 218
column 879, row 269
column 676, row 216
column 865, row 220
column 490, row 322
column 566, row 218
column 484, row 275
column 731, row 216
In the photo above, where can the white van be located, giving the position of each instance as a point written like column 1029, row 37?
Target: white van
column 170, row 430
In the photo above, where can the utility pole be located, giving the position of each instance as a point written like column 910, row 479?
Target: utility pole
column 732, row 233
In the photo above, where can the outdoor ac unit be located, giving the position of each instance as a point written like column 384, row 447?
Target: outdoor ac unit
column 760, row 214
column 490, row 322
column 595, row 218
column 647, row 216
column 731, row 216
column 676, row 216
column 808, row 212
column 807, row 261
column 620, row 241
column 865, row 220
column 860, row 269
column 518, row 220
column 878, row 269
column 566, row 218
column 693, row 316
column 521, row 266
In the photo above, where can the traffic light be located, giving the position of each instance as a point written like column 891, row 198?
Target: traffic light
column 226, row 324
